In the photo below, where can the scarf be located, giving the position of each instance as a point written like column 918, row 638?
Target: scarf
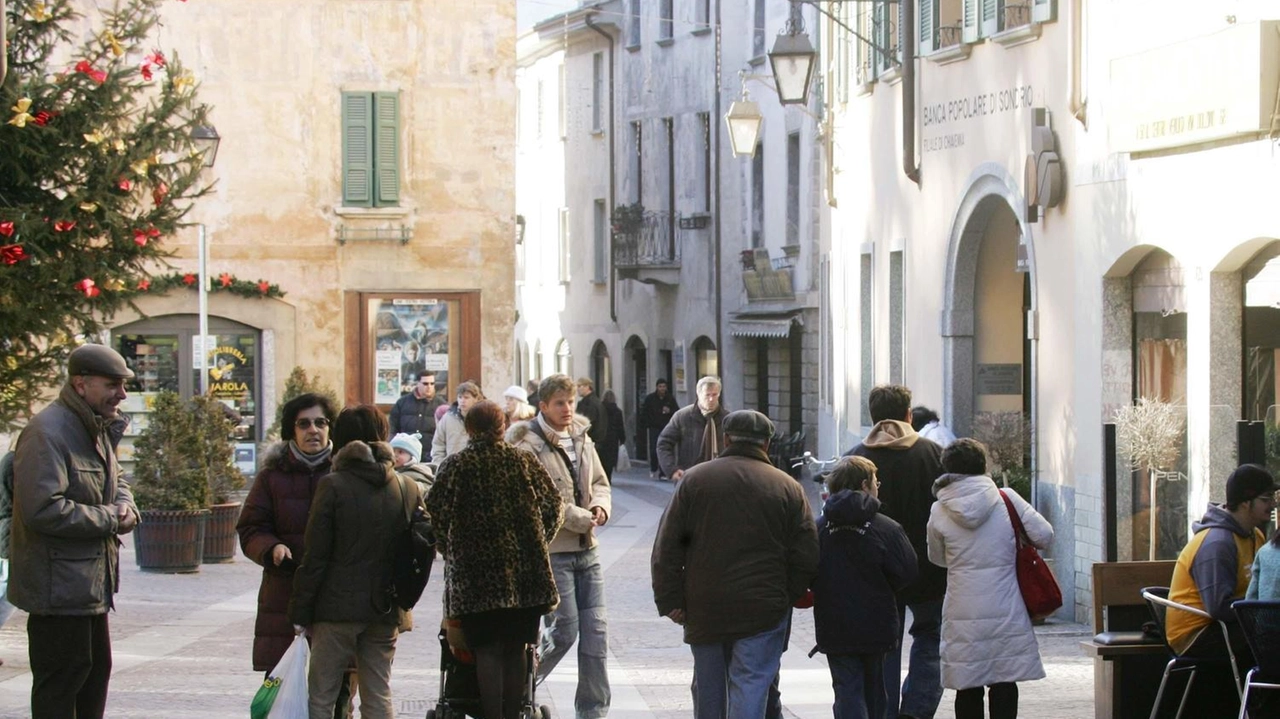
column 710, row 436
column 312, row 461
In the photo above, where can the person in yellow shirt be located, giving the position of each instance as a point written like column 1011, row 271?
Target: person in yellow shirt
column 1213, row 569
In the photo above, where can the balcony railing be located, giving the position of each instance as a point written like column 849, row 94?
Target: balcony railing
column 653, row 244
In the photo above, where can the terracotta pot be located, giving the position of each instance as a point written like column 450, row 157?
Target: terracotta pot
column 170, row 541
column 220, row 538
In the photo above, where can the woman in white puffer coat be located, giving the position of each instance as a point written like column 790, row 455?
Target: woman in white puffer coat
column 987, row 640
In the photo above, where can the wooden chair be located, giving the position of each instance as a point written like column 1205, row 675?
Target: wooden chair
column 1127, row 663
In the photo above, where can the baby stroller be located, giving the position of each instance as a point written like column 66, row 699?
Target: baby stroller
column 460, row 687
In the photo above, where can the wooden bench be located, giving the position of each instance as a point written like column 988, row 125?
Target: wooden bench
column 1125, row 675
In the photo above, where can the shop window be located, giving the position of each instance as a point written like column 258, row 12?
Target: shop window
column 601, row 369
column 406, row 333
column 1159, row 503
column 164, row 354
column 706, row 358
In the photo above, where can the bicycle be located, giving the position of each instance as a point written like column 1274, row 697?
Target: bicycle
column 815, row 467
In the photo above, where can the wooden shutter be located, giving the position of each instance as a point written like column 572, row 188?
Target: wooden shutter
column 1044, row 11
column 357, row 149
column 928, row 26
column 991, row 17
column 386, row 146
column 970, row 31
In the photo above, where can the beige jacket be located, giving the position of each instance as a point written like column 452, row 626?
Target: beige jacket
column 576, row 534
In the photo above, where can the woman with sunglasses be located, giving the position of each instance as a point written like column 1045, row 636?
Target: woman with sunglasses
column 274, row 519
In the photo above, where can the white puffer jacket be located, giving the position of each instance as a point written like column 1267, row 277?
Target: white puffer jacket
column 986, row 632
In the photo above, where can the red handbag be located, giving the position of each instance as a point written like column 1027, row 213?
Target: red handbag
column 1040, row 591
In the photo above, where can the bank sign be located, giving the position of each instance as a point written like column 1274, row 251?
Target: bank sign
column 1206, row 88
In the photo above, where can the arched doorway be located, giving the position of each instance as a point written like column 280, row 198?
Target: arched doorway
column 537, row 361
column 637, row 381
column 601, row 370
column 989, row 342
column 706, row 358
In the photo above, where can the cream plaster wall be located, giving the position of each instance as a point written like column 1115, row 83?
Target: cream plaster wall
column 274, row 73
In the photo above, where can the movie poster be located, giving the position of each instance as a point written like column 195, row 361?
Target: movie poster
column 410, row 335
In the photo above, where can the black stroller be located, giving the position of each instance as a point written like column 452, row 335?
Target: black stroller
column 460, row 688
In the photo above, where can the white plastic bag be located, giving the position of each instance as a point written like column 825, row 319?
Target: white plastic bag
column 292, row 701
column 624, row 460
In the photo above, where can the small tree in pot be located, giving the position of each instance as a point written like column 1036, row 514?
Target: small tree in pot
column 1008, row 439
column 171, row 488
column 212, row 426
column 1150, row 434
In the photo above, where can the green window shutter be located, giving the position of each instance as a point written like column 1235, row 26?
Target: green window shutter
column 357, row 149
column 386, row 146
column 928, row 26
column 970, row 33
column 991, row 10
column 1044, row 11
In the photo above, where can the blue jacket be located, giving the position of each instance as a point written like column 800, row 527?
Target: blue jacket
column 865, row 558
column 1265, row 580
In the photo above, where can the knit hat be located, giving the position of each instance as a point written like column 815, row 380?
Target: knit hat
column 411, row 443
column 515, row 391
column 1249, row 481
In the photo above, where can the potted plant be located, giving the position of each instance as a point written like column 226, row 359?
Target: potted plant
column 171, row 490
column 627, row 219
column 212, row 426
column 297, row 384
column 1150, row 434
column 1008, row 439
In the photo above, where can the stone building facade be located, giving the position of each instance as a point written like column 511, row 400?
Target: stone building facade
column 1077, row 222
column 366, row 167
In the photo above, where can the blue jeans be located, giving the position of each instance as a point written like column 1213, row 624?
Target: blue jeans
column 580, row 616
column 922, row 691
column 859, row 685
column 733, row 678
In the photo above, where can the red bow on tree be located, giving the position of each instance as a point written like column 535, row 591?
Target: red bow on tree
column 84, row 67
column 12, row 254
column 159, row 193
column 140, row 236
column 88, row 287
column 6, row 229
column 64, row 225
column 124, row 184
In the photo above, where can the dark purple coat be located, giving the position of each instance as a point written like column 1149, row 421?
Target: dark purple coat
column 276, row 512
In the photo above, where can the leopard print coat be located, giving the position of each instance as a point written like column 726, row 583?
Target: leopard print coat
column 494, row 509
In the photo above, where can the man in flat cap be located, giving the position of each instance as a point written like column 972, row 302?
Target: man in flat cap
column 70, row 504
column 736, row 548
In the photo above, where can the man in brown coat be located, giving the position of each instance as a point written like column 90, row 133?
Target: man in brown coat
column 70, row 504
column 737, row 546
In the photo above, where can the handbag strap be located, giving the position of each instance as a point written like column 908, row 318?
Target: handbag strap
column 1019, row 532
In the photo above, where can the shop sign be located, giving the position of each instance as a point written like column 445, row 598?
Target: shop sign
column 230, row 373
column 1206, row 88
column 942, row 121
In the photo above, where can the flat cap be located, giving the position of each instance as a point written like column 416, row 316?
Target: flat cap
column 748, row 423
column 97, row 360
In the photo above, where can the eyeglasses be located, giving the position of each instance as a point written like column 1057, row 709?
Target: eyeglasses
column 1268, row 498
column 307, row 422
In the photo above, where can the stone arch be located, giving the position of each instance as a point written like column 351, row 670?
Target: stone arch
column 988, row 189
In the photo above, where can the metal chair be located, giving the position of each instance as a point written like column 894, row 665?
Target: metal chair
column 1159, row 602
column 1260, row 621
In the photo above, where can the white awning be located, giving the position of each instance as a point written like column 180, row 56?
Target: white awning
column 761, row 327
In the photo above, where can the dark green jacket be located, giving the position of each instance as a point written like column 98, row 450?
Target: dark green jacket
column 356, row 517
column 66, row 494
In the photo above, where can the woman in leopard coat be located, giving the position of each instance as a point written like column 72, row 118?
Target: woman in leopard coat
column 494, row 510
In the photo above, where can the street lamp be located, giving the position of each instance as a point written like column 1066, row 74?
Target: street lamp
column 206, row 139
column 744, row 121
column 792, row 59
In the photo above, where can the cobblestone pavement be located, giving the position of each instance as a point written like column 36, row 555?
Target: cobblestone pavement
column 182, row 642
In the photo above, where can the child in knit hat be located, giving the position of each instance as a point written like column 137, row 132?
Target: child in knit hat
column 408, row 451
column 408, row 448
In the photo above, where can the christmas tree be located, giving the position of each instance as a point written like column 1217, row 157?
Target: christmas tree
column 97, row 169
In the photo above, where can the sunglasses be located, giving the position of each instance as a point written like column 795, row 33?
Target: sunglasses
column 307, row 422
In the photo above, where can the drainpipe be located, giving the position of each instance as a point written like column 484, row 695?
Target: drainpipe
column 715, row 122
column 906, row 15
column 4, row 41
column 1079, row 105
column 613, row 295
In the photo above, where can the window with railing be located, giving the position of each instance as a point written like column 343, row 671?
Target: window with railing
column 757, row 29
column 666, row 19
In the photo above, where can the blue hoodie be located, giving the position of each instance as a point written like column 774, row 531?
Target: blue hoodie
column 865, row 558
